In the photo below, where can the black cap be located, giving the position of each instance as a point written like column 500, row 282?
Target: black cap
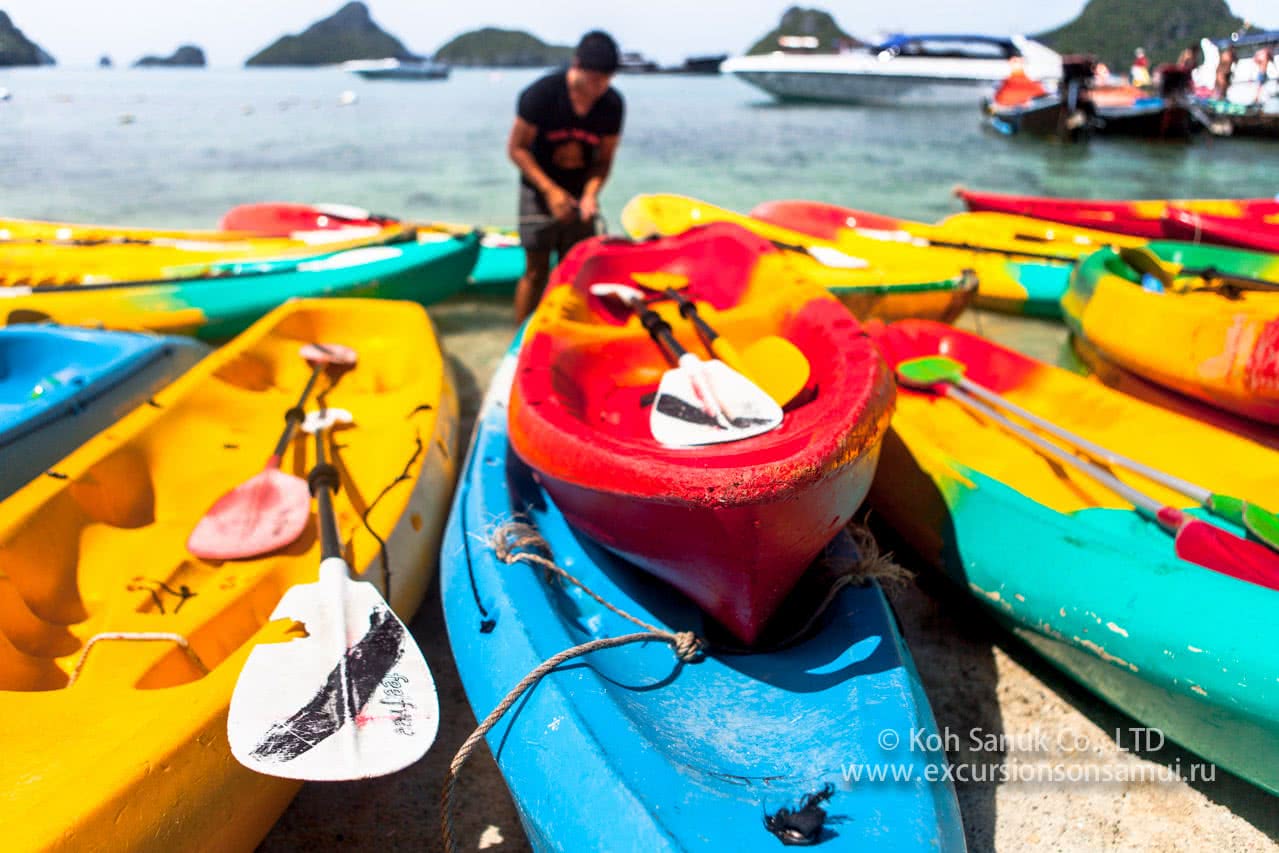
column 597, row 52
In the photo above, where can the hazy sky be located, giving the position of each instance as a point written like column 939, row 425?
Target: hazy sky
column 77, row 32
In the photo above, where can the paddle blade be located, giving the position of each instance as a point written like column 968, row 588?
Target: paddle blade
column 1261, row 523
column 928, row 371
column 266, row 512
column 322, row 419
column 334, row 355
column 351, row 699
column 710, row 403
column 1145, row 261
column 1213, row 548
column 777, row 366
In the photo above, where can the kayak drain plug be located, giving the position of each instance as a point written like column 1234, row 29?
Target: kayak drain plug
column 804, row 826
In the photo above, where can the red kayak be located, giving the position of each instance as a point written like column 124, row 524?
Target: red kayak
column 1260, row 235
column 732, row 525
column 282, row 218
column 1138, row 218
column 821, row 219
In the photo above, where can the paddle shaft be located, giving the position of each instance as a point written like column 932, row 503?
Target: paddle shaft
column 1146, row 505
column 1176, row 484
column 971, row 247
column 1214, row 274
column 658, row 329
column 324, row 482
column 688, row 311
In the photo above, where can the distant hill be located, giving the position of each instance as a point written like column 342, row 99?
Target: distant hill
column 186, row 56
column 494, row 48
column 1113, row 29
column 17, row 49
column 347, row 34
column 805, row 22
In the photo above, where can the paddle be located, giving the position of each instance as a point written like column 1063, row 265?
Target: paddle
column 698, row 402
column 930, row 370
column 1194, row 541
column 271, row 509
column 772, row 362
column 346, row 694
column 1143, row 260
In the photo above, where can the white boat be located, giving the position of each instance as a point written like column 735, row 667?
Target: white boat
column 905, row 70
column 397, row 69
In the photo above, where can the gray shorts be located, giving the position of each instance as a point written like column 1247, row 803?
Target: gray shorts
column 542, row 232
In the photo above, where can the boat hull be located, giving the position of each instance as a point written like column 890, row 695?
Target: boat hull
column 664, row 756
column 1078, row 573
column 864, row 88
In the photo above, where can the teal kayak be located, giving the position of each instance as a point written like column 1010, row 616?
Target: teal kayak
column 499, row 266
column 225, row 302
column 60, row 386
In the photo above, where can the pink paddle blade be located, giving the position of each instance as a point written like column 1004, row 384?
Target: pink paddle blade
column 328, row 354
column 1211, row 547
column 260, row 515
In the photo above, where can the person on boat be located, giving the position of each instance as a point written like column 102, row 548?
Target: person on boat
column 1225, row 72
column 1263, row 58
column 1018, row 88
column 1139, row 74
column 567, row 128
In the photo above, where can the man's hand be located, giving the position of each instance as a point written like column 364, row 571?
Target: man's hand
column 563, row 206
column 589, row 207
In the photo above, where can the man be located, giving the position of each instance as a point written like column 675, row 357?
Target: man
column 566, row 131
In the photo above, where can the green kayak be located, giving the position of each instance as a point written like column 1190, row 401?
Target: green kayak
column 222, row 304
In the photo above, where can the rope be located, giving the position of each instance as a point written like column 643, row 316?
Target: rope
column 141, row 636
column 518, row 542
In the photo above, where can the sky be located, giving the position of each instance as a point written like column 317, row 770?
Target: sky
column 77, row 32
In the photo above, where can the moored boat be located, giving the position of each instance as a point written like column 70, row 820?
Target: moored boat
column 229, row 297
column 1071, row 568
column 732, row 525
column 117, row 638
column 1202, row 336
column 60, row 386
column 1259, row 234
column 873, row 278
column 626, row 747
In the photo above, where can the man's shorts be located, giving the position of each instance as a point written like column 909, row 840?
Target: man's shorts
column 542, row 232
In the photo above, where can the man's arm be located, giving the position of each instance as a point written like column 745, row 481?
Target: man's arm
column 520, row 149
column 603, row 164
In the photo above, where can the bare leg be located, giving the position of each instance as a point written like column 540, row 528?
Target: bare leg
column 537, row 268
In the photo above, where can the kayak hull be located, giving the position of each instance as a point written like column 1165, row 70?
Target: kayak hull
column 101, row 551
column 1075, row 571
column 61, row 386
column 668, row 756
column 1222, row 351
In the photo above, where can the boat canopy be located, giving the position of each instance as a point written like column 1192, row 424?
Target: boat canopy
column 951, row 46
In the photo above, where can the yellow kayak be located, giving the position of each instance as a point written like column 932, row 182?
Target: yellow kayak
column 874, row 278
column 119, row 649
column 1022, row 265
column 48, row 253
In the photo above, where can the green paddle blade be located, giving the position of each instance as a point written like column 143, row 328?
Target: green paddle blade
column 929, row 370
column 1261, row 523
column 1227, row 507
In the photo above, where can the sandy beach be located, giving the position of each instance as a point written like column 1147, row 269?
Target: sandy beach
column 982, row 682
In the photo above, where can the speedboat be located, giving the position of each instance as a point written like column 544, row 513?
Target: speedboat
column 905, row 70
column 397, row 69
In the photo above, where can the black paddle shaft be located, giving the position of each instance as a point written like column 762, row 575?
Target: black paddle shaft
column 1214, row 274
column 324, row 482
column 688, row 311
column 294, row 416
column 659, row 329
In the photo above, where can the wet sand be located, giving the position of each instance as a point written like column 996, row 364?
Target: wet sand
column 978, row 677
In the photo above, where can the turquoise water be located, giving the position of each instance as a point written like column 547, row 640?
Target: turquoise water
column 178, row 147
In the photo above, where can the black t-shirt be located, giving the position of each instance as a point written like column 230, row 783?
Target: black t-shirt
column 566, row 144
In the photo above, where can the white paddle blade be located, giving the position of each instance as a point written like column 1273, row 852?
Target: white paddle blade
column 683, row 417
column 326, row 418
column 352, row 699
column 832, row 257
column 627, row 294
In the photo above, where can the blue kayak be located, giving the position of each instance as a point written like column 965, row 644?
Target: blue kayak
column 60, row 386
column 629, row 748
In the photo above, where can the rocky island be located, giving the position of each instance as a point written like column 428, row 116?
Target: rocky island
column 348, row 34
column 491, row 47
column 186, row 56
column 17, row 49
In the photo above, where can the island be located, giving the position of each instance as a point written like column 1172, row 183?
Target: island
column 1113, row 29
column 346, row 35
column 491, row 47
column 17, row 49
column 805, row 29
column 186, row 56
